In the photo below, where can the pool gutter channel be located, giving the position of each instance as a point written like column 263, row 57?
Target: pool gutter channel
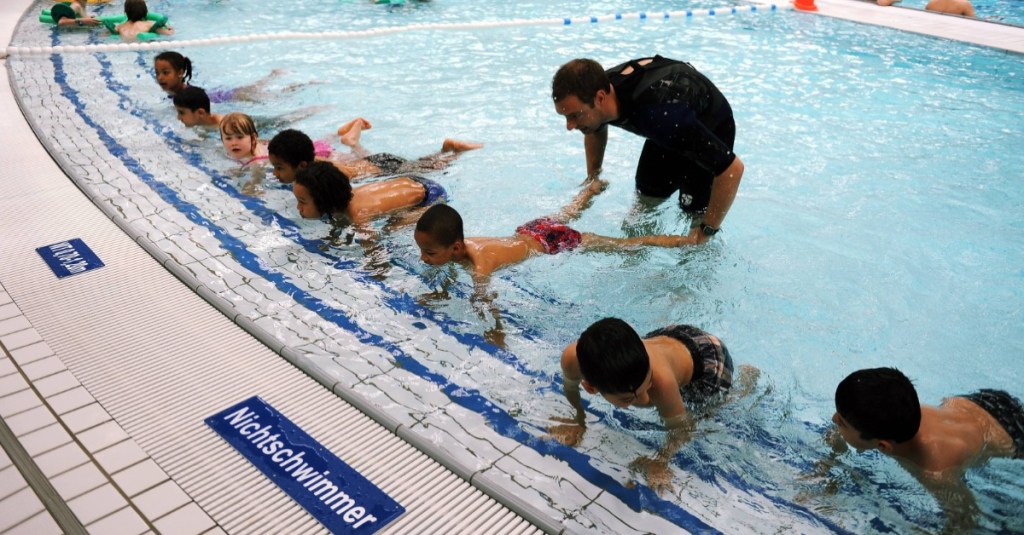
column 297, row 358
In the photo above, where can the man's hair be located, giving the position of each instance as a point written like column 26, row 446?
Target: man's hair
column 293, row 147
column 881, row 403
column 581, row 78
column 178, row 62
column 193, row 98
column 443, row 223
column 135, row 10
column 238, row 123
column 329, row 187
column 612, row 357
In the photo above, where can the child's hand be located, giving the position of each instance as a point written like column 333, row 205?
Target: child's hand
column 597, row 185
column 570, row 432
column 659, row 477
column 495, row 336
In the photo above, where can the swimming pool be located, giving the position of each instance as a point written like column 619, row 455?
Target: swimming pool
column 863, row 235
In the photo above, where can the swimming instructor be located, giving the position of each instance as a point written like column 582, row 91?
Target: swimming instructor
column 687, row 122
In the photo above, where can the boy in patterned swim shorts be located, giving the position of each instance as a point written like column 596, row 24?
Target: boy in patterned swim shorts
column 878, row 409
column 670, row 369
column 440, row 237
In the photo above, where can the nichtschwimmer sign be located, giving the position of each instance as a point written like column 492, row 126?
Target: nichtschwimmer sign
column 332, row 491
column 69, row 257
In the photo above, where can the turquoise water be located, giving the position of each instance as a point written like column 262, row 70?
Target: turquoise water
column 878, row 222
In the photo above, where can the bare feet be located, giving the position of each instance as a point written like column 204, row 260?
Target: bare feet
column 350, row 131
column 454, row 145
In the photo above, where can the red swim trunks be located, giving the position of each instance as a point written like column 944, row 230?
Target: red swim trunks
column 552, row 235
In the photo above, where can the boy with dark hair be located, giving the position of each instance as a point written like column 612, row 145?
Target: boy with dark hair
column 878, row 408
column 545, row 235
column 669, row 369
column 193, row 107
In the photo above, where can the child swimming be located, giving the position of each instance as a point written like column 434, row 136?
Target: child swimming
column 192, row 105
column 73, row 15
column 439, row 236
column 878, row 409
column 290, row 150
column 136, row 12
column 174, row 73
column 241, row 141
column 672, row 369
column 361, row 163
column 321, row 189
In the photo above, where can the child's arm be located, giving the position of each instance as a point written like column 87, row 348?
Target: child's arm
column 680, row 427
column 571, row 430
column 484, row 304
column 956, row 500
column 581, row 201
column 85, row 20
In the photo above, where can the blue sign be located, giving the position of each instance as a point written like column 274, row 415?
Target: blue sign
column 69, row 258
column 335, row 494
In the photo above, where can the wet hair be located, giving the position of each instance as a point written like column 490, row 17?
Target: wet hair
column 329, row 187
column 238, row 123
column 443, row 223
column 293, row 147
column 193, row 98
column 581, row 78
column 612, row 357
column 881, row 403
column 135, row 10
column 178, row 63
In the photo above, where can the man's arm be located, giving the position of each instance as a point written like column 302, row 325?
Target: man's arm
column 594, row 145
column 723, row 192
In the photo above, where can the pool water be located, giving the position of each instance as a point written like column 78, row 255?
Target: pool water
column 878, row 223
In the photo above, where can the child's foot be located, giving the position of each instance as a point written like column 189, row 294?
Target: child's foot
column 454, row 145
column 350, row 131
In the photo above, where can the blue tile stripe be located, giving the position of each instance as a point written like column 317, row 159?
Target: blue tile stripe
column 636, row 498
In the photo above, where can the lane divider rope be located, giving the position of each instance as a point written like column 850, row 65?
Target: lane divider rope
column 373, row 32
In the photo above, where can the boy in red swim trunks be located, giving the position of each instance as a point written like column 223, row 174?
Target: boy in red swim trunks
column 440, row 238
column 878, row 409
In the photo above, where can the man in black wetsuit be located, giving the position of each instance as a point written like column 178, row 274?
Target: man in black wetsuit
column 687, row 122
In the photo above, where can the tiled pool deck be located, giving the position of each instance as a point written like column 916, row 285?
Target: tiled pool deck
column 105, row 377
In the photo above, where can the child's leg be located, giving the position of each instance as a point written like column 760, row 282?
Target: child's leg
column 254, row 91
column 351, row 131
column 454, row 145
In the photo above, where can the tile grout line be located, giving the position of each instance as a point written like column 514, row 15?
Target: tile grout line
column 38, row 481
